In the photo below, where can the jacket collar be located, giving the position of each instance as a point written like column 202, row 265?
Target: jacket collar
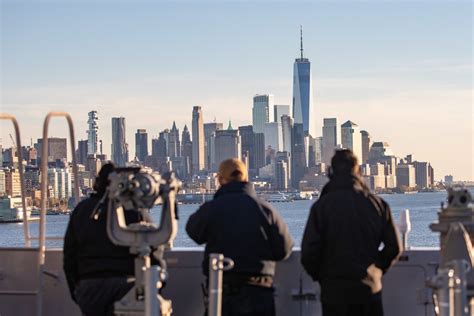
column 235, row 187
column 345, row 182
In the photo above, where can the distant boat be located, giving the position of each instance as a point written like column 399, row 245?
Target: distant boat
column 276, row 197
column 11, row 210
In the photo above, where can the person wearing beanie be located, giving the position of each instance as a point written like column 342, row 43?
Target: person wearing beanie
column 247, row 230
column 98, row 272
column 341, row 242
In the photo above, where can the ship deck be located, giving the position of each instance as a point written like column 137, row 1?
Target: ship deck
column 405, row 292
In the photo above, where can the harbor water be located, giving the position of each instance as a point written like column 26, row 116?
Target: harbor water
column 423, row 211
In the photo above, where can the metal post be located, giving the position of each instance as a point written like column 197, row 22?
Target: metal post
column 151, row 300
column 44, row 187
column 217, row 264
column 441, row 293
column 405, row 227
column 458, row 287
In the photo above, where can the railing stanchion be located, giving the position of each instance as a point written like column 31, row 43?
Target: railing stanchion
column 26, row 231
column 44, row 187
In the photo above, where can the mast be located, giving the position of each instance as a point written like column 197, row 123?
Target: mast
column 301, row 41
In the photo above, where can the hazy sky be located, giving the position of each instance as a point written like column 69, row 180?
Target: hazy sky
column 402, row 70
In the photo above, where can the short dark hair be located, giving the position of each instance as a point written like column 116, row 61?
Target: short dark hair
column 102, row 179
column 344, row 162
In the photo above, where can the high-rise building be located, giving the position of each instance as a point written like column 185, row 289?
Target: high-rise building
column 273, row 136
column 422, row 176
column 180, row 166
column 448, row 179
column 32, row 179
column 187, row 148
column 351, row 138
column 2, row 183
column 198, row 140
column 12, row 182
column 314, row 150
column 283, row 156
column 281, row 175
column 431, row 175
column 298, row 155
column 405, row 176
column 119, row 145
column 81, row 152
column 93, row 165
column 248, row 144
column 331, row 138
column 10, row 157
column 60, row 182
column 261, row 111
column 227, row 145
column 57, row 148
column 318, row 149
column 279, row 111
column 303, row 109
column 286, row 131
column 159, row 149
column 259, row 150
column 29, row 154
column 209, row 133
column 378, row 151
column 93, row 134
column 141, row 144
column 174, row 145
column 366, row 143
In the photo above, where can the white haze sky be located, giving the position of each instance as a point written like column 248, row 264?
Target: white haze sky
column 402, row 70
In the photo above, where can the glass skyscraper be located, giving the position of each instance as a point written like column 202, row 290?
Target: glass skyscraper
column 119, row 146
column 303, row 109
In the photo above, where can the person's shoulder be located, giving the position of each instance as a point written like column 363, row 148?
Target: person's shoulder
column 85, row 204
column 326, row 197
column 206, row 206
column 380, row 203
column 376, row 197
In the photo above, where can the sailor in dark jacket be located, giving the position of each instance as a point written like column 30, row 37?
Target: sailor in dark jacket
column 342, row 239
column 97, row 271
column 250, row 232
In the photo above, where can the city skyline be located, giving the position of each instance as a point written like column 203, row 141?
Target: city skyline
column 417, row 100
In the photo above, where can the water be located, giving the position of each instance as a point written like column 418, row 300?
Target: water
column 423, row 211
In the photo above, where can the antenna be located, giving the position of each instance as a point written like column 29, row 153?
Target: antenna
column 301, row 39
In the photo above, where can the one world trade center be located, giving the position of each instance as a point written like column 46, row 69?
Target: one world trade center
column 303, row 109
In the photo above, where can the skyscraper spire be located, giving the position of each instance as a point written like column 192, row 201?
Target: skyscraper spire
column 301, row 39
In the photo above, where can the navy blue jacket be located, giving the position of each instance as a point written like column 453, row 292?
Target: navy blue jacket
column 343, row 235
column 242, row 227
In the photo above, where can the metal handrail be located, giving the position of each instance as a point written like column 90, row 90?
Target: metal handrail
column 26, row 231
column 44, row 187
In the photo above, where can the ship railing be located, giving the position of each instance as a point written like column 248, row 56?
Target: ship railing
column 44, row 186
column 26, row 230
column 404, row 227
